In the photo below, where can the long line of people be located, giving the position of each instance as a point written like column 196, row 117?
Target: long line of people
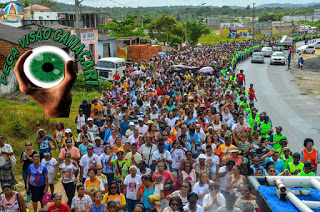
column 161, row 141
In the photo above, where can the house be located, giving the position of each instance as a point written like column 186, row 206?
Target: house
column 107, row 46
column 29, row 11
column 9, row 38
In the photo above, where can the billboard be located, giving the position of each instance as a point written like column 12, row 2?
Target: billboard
column 237, row 32
column 13, row 13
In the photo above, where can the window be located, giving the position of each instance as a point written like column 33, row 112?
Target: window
column 105, row 64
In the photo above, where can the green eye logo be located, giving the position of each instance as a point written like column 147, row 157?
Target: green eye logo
column 45, row 66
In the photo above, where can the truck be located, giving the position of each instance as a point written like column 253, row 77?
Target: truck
column 286, row 42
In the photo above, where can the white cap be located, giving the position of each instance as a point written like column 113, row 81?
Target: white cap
column 140, row 119
column 68, row 131
column 131, row 123
column 202, row 156
column 90, row 119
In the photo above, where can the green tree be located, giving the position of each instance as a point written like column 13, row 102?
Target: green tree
column 164, row 27
column 50, row 3
column 195, row 30
column 175, row 40
column 25, row 3
column 125, row 28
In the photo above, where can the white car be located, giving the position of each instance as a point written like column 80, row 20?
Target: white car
column 306, row 49
column 316, row 45
column 278, row 58
column 266, row 51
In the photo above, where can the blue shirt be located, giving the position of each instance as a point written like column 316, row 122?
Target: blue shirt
column 37, row 174
column 195, row 136
column 83, row 148
column 125, row 127
column 44, row 145
column 145, row 196
column 278, row 165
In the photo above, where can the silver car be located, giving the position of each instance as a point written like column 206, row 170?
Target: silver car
column 278, row 58
column 266, row 51
column 306, row 49
column 257, row 57
column 277, row 47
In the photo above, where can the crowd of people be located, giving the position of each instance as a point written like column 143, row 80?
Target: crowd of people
column 160, row 141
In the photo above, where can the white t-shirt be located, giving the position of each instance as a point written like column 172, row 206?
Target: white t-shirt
column 214, row 161
column 49, row 164
column 132, row 186
column 200, row 190
column 88, row 163
column 224, row 209
column 199, row 208
column 177, row 193
column 145, row 151
column 207, row 200
column 165, row 155
column 223, row 180
column 158, row 188
column 148, row 171
column 143, row 129
column 67, row 172
column 171, row 122
column 3, row 158
column 177, row 155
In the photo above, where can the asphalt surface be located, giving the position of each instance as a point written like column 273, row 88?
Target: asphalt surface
column 285, row 104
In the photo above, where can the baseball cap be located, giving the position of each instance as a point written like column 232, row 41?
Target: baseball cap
column 279, row 127
column 140, row 119
column 68, row 131
column 131, row 123
column 202, row 156
column 97, row 138
column 47, row 154
column 90, row 119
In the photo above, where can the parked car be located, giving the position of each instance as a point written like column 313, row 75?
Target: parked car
column 316, row 45
column 278, row 58
column 266, row 51
column 278, row 47
column 108, row 66
column 306, row 49
column 257, row 57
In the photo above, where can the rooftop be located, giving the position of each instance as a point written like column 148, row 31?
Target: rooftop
column 37, row 7
column 14, row 34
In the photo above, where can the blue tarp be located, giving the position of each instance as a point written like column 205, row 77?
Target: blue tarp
column 276, row 205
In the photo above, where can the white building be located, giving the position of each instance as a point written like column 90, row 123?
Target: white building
column 45, row 16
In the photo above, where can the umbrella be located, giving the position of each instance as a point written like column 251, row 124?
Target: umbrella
column 162, row 54
column 206, row 69
column 137, row 73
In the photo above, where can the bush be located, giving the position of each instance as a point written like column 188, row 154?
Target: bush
column 80, row 85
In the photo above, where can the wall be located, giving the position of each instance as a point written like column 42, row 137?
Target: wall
column 314, row 18
column 45, row 15
column 89, row 36
column 113, row 47
column 6, row 48
column 142, row 52
column 282, row 29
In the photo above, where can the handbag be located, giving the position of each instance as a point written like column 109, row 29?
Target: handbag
column 13, row 160
column 46, row 198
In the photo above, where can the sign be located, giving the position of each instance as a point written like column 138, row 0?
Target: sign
column 88, row 35
column 229, row 25
column 13, row 13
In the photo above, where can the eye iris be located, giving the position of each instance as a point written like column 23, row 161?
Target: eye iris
column 47, row 67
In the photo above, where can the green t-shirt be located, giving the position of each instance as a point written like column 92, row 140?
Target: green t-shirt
column 304, row 174
column 122, row 166
column 276, row 137
column 286, row 161
column 292, row 167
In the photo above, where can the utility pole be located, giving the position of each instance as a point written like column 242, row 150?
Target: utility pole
column 186, row 31
column 253, row 20
column 77, row 10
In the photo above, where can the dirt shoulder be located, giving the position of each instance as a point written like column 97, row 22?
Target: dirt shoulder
column 308, row 79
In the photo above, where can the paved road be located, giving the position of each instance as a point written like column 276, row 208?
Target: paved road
column 286, row 105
